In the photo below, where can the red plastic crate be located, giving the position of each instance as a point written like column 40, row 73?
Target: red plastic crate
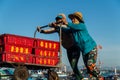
column 19, row 58
column 1, row 40
column 20, row 49
column 15, row 49
column 16, row 40
column 46, row 53
column 47, row 61
column 47, row 44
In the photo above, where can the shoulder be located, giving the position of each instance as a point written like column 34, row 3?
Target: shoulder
column 82, row 24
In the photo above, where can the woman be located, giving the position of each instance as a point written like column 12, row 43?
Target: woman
column 67, row 39
column 84, row 44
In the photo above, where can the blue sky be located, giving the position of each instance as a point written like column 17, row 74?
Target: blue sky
column 102, row 18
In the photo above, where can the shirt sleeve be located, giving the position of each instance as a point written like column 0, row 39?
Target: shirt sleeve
column 76, row 27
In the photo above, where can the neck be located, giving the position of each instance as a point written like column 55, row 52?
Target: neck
column 76, row 22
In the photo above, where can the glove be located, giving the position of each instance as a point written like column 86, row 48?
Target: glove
column 38, row 29
column 42, row 31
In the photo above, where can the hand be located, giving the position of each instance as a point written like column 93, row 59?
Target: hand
column 53, row 24
column 38, row 29
column 42, row 31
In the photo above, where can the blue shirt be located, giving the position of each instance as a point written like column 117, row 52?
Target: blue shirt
column 81, row 37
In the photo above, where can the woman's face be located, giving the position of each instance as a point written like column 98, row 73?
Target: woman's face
column 59, row 20
column 74, row 20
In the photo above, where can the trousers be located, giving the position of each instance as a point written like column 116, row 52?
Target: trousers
column 89, row 59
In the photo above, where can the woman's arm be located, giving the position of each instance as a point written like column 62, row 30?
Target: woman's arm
column 48, row 31
column 76, row 27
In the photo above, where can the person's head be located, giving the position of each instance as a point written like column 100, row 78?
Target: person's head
column 76, row 17
column 60, row 17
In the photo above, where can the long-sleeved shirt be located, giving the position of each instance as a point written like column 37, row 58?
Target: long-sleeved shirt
column 81, row 37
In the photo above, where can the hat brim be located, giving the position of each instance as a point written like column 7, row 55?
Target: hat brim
column 74, row 16
column 71, row 16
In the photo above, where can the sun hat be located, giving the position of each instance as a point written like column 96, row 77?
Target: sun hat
column 77, row 15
